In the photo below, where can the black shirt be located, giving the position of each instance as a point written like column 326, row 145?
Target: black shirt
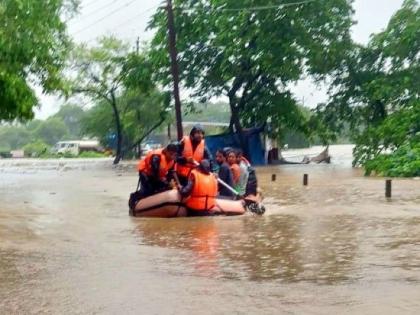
column 225, row 174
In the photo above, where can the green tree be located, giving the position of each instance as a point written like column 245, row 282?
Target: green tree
column 100, row 77
column 33, row 47
column 110, row 75
column 252, row 54
column 36, row 148
column 71, row 115
column 140, row 115
column 13, row 137
column 376, row 93
column 52, row 130
column 99, row 122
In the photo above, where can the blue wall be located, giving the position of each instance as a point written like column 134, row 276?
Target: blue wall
column 255, row 145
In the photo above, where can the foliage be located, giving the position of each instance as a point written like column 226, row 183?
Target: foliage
column 253, row 56
column 13, row 137
column 376, row 92
column 33, row 47
column 91, row 154
column 99, row 76
column 404, row 162
column 62, row 126
column 208, row 112
column 139, row 114
column 52, row 130
column 98, row 122
column 36, row 148
column 112, row 76
column 71, row 115
column 143, row 113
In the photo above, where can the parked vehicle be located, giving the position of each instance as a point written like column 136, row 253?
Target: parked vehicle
column 149, row 145
column 76, row 147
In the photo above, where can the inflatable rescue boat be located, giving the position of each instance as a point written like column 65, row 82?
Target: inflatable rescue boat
column 169, row 204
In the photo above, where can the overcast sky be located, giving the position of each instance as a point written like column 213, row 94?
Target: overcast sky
column 127, row 19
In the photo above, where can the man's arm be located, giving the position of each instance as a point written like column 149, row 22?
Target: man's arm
column 208, row 156
column 181, row 159
column 187, row 189
column 155, row 166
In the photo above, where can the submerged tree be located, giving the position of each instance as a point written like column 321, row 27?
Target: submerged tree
column 33, row 47
column 252, row 53
column 377, row 92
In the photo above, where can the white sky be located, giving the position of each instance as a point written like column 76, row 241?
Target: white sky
column 127, row 19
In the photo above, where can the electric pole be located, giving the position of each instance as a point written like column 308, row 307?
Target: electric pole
column 174, row 67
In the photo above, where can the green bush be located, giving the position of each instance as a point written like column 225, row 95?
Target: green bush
column 91, row 154
column 36, row 148
column 403, row 162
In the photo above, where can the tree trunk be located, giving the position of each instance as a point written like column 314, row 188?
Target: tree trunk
column 235, row 119
column 118, row 154
column 231, row 124
column 174, row 68
column 148, row 132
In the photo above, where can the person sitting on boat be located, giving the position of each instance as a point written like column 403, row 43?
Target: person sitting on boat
column 155, row 170
column 234, row 167
column 191, row 150
column 201, row 190
column 249, row 185
column 224, row 173
column 244, row 166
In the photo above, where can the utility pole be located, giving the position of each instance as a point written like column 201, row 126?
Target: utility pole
column 174, row 67
column 137, row 45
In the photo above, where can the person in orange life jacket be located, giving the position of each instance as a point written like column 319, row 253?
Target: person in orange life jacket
column 224, row 173
column 191, row 150
column 155, row 170
column 200, row 191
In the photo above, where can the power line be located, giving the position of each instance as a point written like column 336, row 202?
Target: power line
column 136, row 16
column 99, row 9
column 89, row 4
column 104, row 17
column 268, row 7
column 132, row 18
column 256, row 8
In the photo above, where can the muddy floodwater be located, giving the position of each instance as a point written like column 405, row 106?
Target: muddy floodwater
column 336, row 246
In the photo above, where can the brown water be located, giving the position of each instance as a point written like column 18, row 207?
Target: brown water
column 67, row 246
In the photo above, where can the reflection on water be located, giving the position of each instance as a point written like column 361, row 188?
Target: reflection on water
column 326, row 250
column 282, row 247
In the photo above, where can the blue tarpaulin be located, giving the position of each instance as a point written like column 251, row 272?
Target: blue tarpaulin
column 255, row 145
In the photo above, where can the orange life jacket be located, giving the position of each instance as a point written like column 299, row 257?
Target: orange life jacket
column 197, row 155
column 204, row 192
column 146, row 166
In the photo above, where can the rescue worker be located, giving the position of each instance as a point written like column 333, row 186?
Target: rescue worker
column 200, row 191
column 155, row 170
column 224, row 173
column 191, row 151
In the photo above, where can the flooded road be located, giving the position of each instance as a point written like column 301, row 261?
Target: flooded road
column 68, row 246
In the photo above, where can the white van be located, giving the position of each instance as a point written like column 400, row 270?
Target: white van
column 76, row 147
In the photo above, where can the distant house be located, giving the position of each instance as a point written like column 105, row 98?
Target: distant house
column 17, row 154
